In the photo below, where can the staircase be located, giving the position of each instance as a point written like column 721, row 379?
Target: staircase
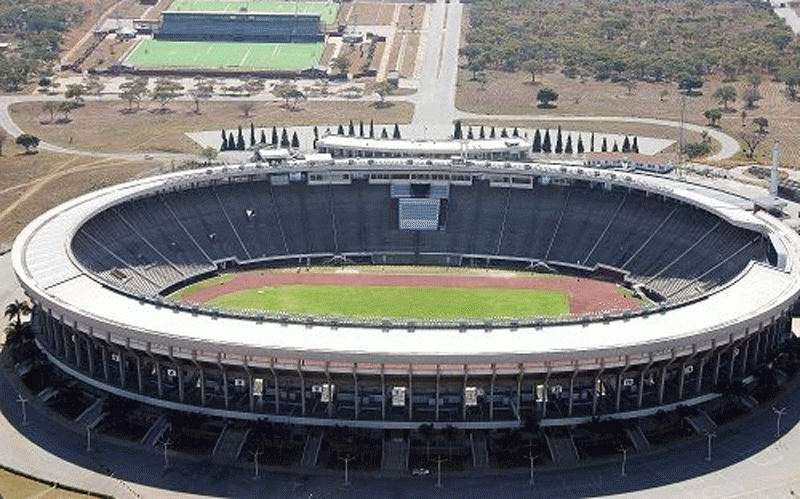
column 562, row 447
column 229, row 445
column 312, row 447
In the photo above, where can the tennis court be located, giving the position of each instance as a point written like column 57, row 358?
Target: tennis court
column 174, row 54
column 327, row 10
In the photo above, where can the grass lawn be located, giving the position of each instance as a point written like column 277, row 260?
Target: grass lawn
column 327, row 10
column 172, row 54
column 400, row 302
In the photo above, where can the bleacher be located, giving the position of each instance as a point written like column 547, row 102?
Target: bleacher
column 676, row 250
column 240, row 27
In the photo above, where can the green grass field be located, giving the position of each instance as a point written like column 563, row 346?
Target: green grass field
column 327, row 10
column 171, row 54
column 400, row 302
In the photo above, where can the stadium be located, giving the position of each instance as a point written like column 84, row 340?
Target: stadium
column 718, row 280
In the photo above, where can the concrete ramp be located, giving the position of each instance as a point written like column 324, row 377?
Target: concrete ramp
column 561, row 446
column 312, row 447
column 637, row 437
column 229, row 445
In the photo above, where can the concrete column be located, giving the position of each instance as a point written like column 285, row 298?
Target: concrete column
column 491, row 392
column 104, row 359
column 277, row 385
column 383, row 394
column 620, row 382
column 303, row 388
column 202, row 375
column 756, row 349
column 224, row 372
column 251, row 403
column 90, row 347
column 77, row 345
column 744, row 353
column 410, row 392
column 545, row 389
column 663, row 378
column 519, row 390
column 179, row 373
column 437, row 393
column 717, row 360
column 139, row 374
column 597, row 379
column 122, row 370
column 703, row 361
column 355, row 390
column 464, row 394
column 640, row 395
column 331, row 405
column 572, row 388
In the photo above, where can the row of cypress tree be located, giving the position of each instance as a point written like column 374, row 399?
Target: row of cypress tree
column 543, row 144
column 367, row 131
column 458, row 132
column 237, row 143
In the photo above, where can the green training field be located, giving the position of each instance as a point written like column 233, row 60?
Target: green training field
column 327, row 10
column 400, row 302
column 229, row 55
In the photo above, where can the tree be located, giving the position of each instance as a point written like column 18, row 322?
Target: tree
column 382, row 89
column 604, row 145
column 67, row 107
column 231, row 142
column 580, row 144
column 482, row 133
column 341, row 64
column 28, row 141
column 384, row 133
column 629, row 85
column 209, row 154
column 492, row 133
column 201, row 92
column 92, row 85
column 16, row 309
column 688, row 84
column 591, row 143
column 615, row 148
column 133, row 91
column 351, row 129
column 762, row 124
column 568, row 147
column 546, row 145
column 340, row 130
column 274, row 138
column 253, row 86
column 361, row 128
column 285, row 138
column 224, row 146
column 791, row 78
column 635, row 145
column 713, row 116
column 696, row 149
column 470, row 135
column 533, row 66
column 246, row 107
column 252, row 134
column 751, row 141
column 457, row 132
column 537, row 142
column 396, row 132
column 750, row 96
column 371, row 130
column 626, row 145
column 546, row 96
column 296, row 96
column 75, row 92
column 559, row 143
column 295, row 141
column 264, row 137
column 663, row 94
column 51, row 107
column 725, row 94
column 240, row 140
column 503, row 133
column 166, row 90
column 754, row 79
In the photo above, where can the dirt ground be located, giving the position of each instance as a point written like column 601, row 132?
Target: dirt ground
column 32, row 184
column 150, row 131
column 585, row 295
column 513, row 93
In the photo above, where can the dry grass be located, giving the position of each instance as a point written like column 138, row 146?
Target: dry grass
column 512, row 93
column 32, row 184
column 106, row 127
column 16, row 487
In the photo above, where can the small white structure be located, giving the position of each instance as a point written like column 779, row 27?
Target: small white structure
column 628, row 161
column 512, row 148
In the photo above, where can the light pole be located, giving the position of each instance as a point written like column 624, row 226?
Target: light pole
column 346, row 469
column 88, row 438
column 530, row 480
column 624, row 460
column 439, row 462
column 710, row 436
column 780, row 412
column 166, row 457
column 255, row 454
column 22, row 400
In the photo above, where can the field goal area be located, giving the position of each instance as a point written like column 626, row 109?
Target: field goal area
column 229, row 55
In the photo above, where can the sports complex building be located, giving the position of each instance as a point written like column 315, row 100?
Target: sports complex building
column 721, row 278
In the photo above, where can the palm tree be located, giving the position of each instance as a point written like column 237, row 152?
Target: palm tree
column 16, row 309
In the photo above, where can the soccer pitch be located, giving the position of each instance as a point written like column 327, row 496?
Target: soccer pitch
column 228, row 55
column 429, row 303
column 327, row 10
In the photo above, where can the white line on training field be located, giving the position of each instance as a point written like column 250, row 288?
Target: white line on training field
column 246, row 55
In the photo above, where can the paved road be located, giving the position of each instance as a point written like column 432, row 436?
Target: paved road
column 788, row 14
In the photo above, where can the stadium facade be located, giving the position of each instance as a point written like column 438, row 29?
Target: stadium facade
column 723, row 276
column 272, row 27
